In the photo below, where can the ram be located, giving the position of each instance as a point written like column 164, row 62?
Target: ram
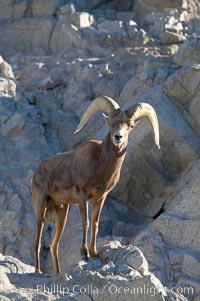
column 85, row 175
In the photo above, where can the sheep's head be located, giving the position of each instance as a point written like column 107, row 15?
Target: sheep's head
column 120, row 127
column 121, row 122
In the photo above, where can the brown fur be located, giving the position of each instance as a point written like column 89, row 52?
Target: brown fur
column 86, row 174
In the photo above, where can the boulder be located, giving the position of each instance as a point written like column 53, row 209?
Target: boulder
column 65, row 37
column 190, row 266
column 10, row 264
column 189, row 53
column 10, row 11
column 32, row 75
column 95, row 4
column 7, row 87
column 5, row 69
column 42, row 9
column 164, row 4
column 7, row 83
column 183, row 87
column 12, row 126
column 168, row 38
column 4, row 282
column 172, row 230
column 133, row 258
column 17, row 131
column 33, row 33
column 192, row 114
column 177, row 234
column 68, row 14
column 6, row 11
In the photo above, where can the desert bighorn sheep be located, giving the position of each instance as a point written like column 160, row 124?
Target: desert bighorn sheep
column 85, row 174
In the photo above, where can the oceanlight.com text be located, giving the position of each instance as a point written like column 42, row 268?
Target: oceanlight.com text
column 90, row 289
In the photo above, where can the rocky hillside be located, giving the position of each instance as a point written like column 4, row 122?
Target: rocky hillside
column 120, row 273
column 56, row 57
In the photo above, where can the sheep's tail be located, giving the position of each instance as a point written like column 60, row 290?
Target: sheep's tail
column 50, row 216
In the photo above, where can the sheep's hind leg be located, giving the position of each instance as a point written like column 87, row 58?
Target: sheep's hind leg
column 61, row 218
column 40, row 211
column 83, row 206
column 96, row 212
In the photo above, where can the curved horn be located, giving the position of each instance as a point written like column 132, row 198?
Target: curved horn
column 145, row 110
column 104, row 103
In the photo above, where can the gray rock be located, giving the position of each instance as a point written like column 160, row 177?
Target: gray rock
column 100, row 284
column 7, row 87
column 12, row 126
column 165, row 4
column 10, row 11
column 168, row 38
column 65, row 37
column 183, row 85
column 20, row 9
column 190, row 288
column 178, row 232
column 34, row 32
column 148, row 241
column 4, row 281
column 68, row 14
column 5, row 69
column 10, row 264
column 42, row 9
column 7, row 83
column 131, row 256
column 175, row 232
column 192, row 113
column 32, row 75
column 5, row 11
column 189, row 53
column 190, row 266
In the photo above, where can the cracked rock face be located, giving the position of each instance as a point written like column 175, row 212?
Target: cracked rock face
column 184, row 87
column 56, row 56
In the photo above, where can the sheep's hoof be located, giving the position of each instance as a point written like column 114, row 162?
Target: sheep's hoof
column 38, row 271
column 85, row 252
column 94, row 255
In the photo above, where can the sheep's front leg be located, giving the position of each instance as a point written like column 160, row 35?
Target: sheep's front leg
column 61, row 218
column 83, row 206
column 96, row 212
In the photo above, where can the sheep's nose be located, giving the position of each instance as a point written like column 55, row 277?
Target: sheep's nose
column 118, row 137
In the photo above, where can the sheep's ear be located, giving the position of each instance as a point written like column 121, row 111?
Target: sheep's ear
column 106, row 118
column 136, row 122
column 133, row 122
